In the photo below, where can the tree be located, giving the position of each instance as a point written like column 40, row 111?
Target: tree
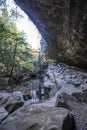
column 15, row 53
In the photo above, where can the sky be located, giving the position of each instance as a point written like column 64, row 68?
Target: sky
column 25, row 24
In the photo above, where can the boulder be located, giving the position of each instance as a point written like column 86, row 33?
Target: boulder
column 4, row 98
column 78, row 95
column 60, row 102
column 64, row 100
column 45, row 65
column 26, row 97
column 81, row 96
column 18, row 95
column 77, row 108
column 11, row 107
column 11, row 101
column 3, row 113
column 49, row 83
column 83, row 86
column 39, row 118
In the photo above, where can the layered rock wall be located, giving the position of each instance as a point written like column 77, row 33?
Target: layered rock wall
column 63, row 24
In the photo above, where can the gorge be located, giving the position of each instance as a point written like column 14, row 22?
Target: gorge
column 63, row 103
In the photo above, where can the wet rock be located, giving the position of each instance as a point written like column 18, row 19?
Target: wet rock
column 39, row 118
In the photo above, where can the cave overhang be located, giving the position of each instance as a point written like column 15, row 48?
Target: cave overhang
column 63, row 24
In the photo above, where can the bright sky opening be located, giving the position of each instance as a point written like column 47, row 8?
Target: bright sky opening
column 26, row 25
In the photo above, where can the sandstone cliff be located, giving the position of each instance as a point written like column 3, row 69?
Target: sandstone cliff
column 63, row 24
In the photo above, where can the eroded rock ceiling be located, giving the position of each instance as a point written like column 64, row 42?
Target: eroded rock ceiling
column 63, row 24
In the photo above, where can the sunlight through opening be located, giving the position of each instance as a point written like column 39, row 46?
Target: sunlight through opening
column 24, row 24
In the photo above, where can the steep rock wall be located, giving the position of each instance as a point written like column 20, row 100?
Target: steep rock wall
column 63, row 24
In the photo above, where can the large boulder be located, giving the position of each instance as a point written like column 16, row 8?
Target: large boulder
column 5, row 98
column 11, row 102
column 78, row 109
column 39, row 118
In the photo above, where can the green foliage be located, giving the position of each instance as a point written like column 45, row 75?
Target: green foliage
column 15, row 53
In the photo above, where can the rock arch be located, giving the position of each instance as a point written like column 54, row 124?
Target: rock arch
column 63, row 24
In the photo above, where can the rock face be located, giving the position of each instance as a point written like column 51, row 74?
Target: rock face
column 63, row 24
column 39, row 118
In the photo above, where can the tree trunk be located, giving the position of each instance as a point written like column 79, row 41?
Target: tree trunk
column 14, row 54
column 40, row 75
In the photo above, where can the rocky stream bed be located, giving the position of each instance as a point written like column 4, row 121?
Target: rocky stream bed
column 65, row 109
